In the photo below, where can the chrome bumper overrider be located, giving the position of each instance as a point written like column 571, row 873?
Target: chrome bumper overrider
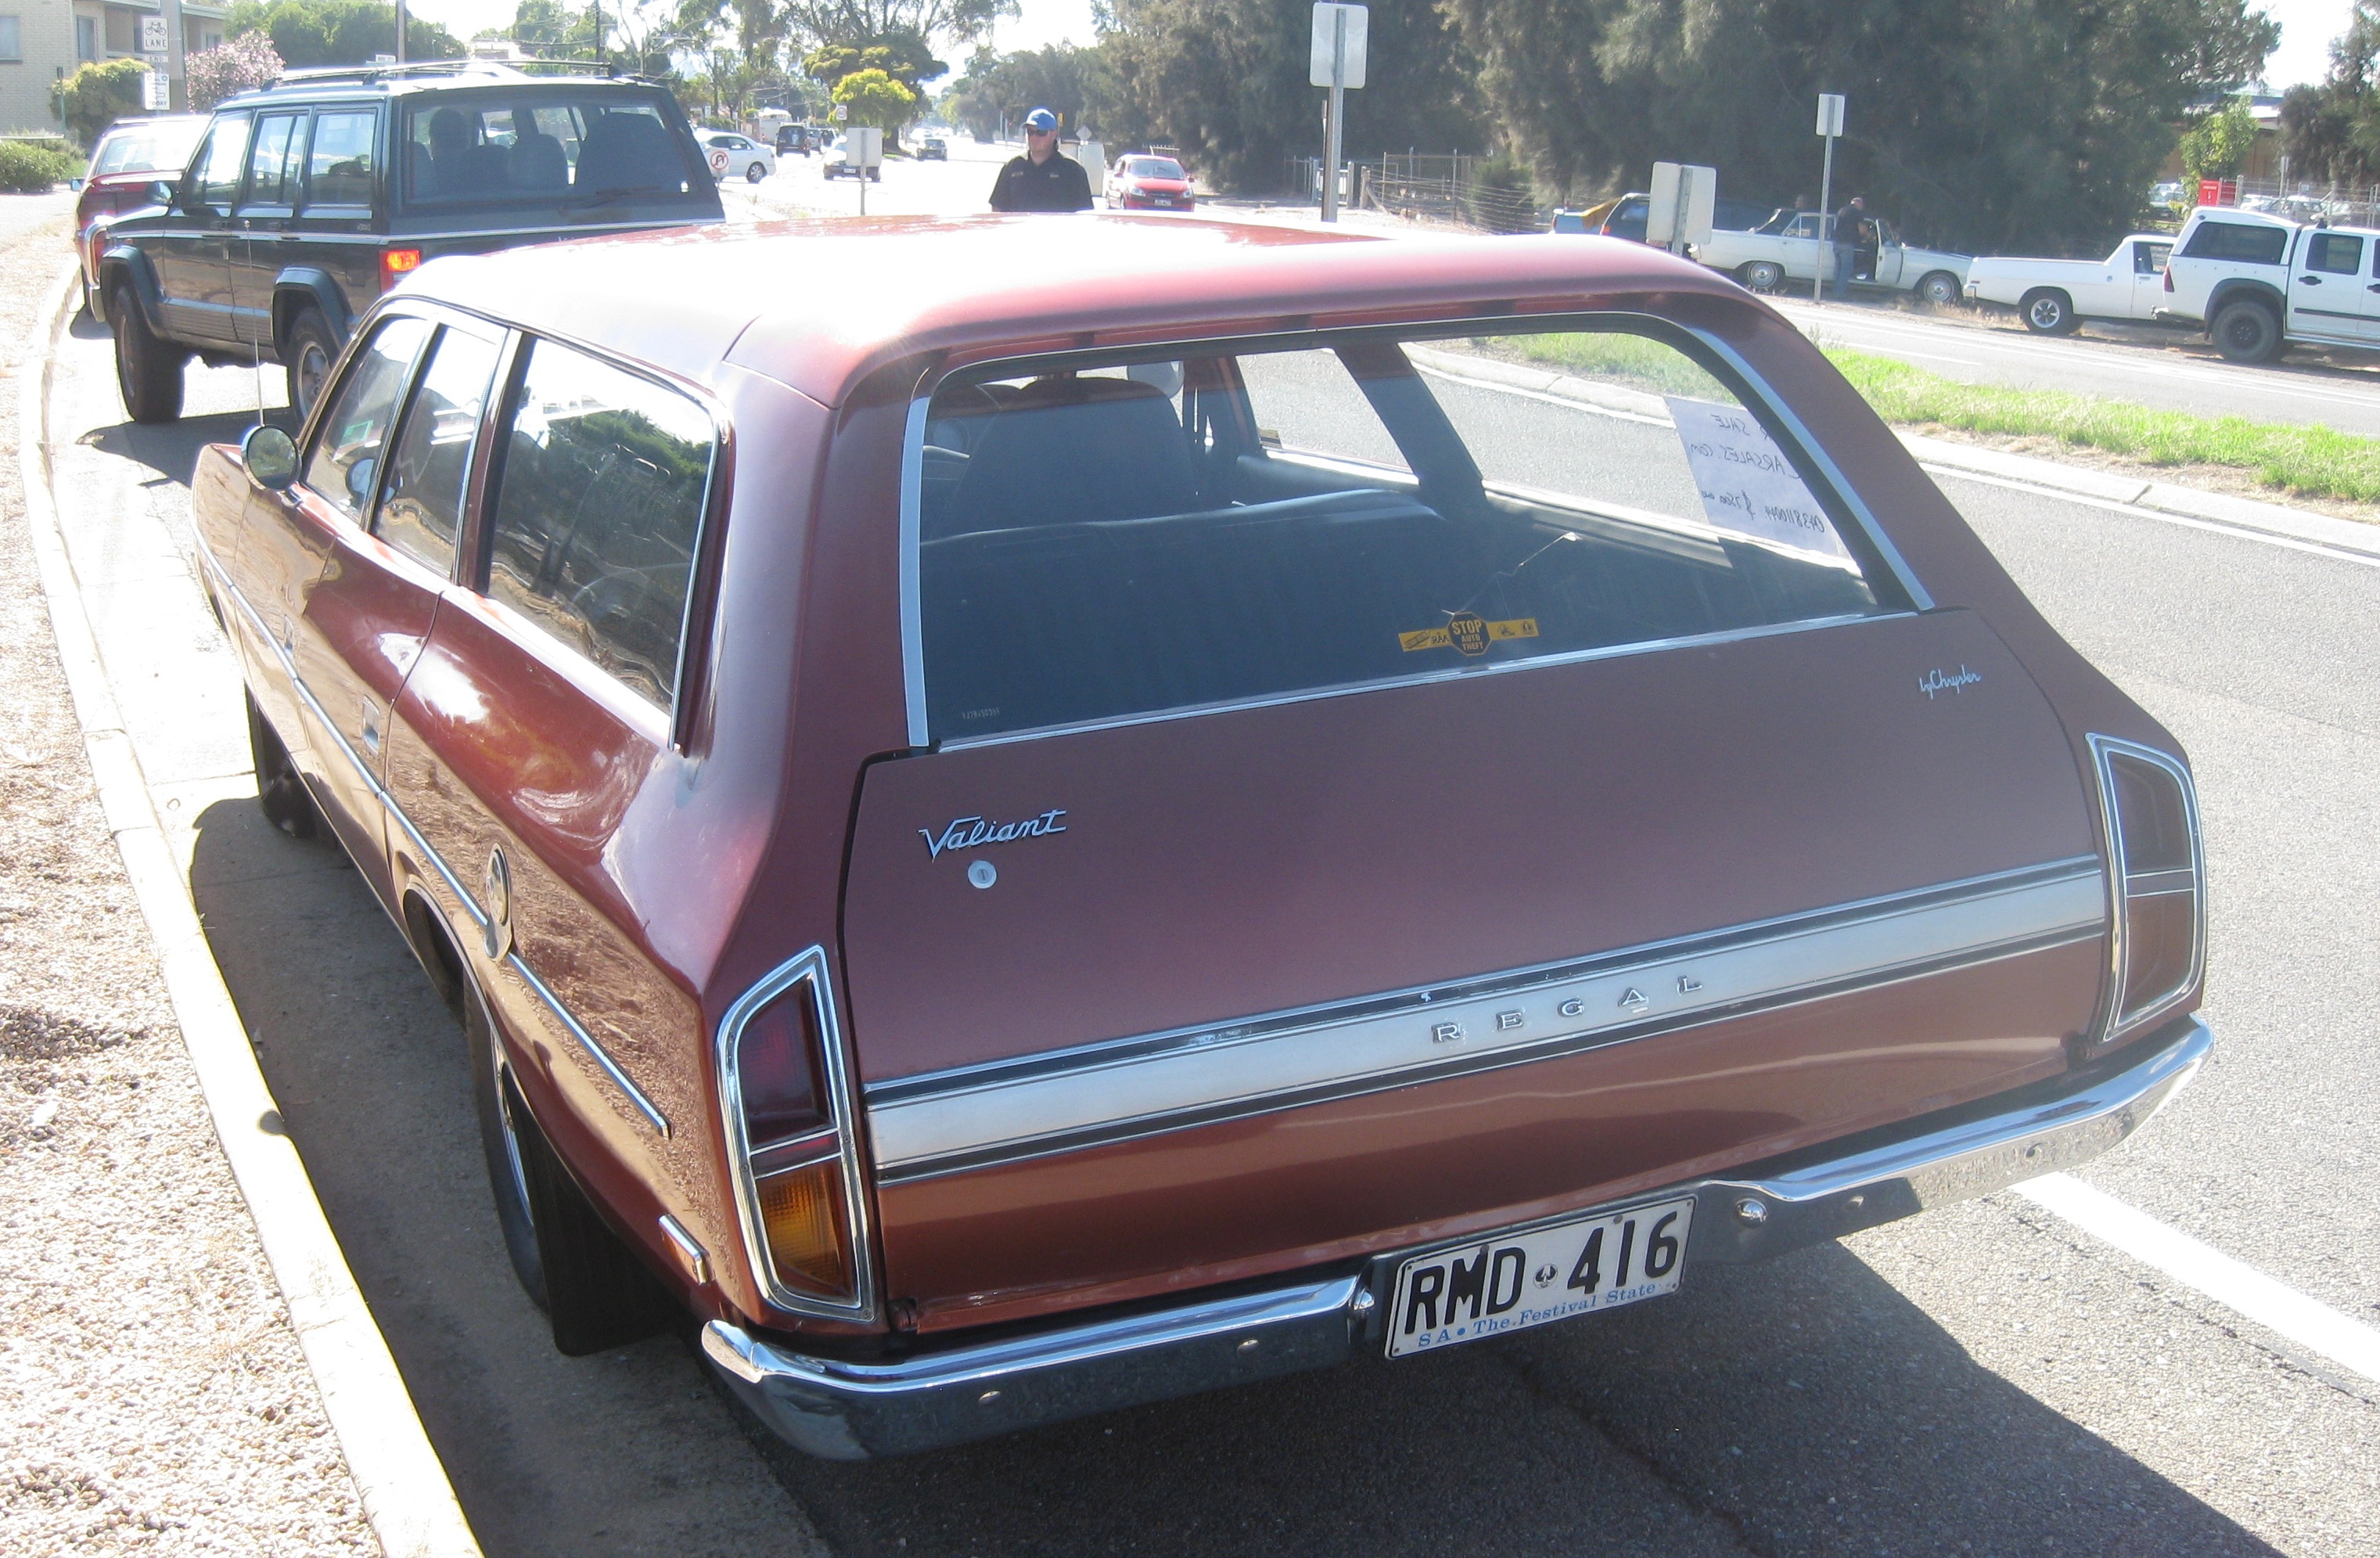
column 851, row 1410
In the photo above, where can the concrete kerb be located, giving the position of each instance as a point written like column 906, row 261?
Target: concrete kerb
column 405, row 1491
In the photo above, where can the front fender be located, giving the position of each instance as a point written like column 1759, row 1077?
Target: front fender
column 123, row 261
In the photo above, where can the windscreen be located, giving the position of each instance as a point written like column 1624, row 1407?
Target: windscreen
column 145, row 148
column 1156, row 167
column 541, row 149
column 1100, row 542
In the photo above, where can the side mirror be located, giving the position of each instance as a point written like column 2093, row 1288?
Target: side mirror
column 271, row 457
column 161, row 192
column 76, row 183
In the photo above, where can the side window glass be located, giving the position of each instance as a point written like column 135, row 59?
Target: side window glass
column 2334, row 254
column 339, row 164
column 273, row 162
column 596, row 520
column 220, row 163
column 421, row 514
column 345, row 465
column 2148, row 259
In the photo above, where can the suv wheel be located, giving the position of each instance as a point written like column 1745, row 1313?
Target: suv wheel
column 2247, row 332
column 148, row 371
column 309, row 351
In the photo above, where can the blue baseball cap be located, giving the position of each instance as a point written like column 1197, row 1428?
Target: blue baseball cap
column 1041, row 119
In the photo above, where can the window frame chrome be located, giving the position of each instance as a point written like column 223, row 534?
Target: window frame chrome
column 2118, row 1023
column 810, row 965
column 1799, row 441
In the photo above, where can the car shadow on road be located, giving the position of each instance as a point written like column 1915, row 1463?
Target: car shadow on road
column 171, row 449
column 1802, row 1406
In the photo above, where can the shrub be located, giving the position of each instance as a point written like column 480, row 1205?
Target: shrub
column 97, row 95
column 245, row 63
column 30, row 167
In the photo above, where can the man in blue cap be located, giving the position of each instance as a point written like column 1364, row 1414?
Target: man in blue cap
column 1041, row 179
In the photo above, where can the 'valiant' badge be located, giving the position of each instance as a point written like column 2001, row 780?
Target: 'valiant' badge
column 969, row 832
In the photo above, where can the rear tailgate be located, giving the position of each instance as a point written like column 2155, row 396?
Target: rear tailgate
column 1265, row 987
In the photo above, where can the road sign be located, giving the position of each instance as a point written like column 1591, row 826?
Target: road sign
column 1831, row 113
column 1680, row 210
column 842, row 113
column 153, row 35
column 1326, row 44
column 156, row 92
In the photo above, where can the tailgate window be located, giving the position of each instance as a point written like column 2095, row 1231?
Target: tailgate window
column 541, row 150
column 1108, row 540
column 2236, row 241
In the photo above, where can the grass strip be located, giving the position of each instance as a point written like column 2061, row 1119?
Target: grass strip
column 2308, row 461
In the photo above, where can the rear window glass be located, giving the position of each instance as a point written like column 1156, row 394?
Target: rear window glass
column 146, row 147
column 596, row 515
column 2236, row 241
column 543, row 148
column 1154, row 167
column 1107, row 542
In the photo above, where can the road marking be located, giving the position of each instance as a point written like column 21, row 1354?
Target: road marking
column 2163, row 515
column 2308, row 1322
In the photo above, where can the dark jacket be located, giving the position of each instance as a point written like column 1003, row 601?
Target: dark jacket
column 1058, row 184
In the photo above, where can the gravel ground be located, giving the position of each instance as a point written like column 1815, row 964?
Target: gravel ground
column 152, row 1397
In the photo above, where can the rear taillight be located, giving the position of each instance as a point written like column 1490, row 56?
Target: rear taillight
column 791, row 1145
column 2159, row 882
column 395, row 264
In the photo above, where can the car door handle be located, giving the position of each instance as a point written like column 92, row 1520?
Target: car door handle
column 2309, row 281
column 369, row 729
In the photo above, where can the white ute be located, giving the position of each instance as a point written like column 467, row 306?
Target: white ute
column 2258, row 283
column 1788, row 250
column 2054, row 296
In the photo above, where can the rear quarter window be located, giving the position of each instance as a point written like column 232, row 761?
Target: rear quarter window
column 487, row 150
column 2237, row 241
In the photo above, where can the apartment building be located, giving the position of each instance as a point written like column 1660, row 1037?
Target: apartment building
column 41, row 42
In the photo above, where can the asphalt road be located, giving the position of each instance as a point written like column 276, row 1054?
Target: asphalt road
column 20, row 214
column 1984, row 1379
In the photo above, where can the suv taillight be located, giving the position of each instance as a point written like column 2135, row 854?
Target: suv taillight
column 791, row 1146
column 2159, row 882
column 396, row 263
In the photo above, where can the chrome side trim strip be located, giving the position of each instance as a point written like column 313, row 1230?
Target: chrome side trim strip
column 570, row 1024
column 850, row 1410
column 973, row 1117
column 808, row 968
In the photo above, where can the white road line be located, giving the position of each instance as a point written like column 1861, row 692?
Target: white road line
column 2308, row 1322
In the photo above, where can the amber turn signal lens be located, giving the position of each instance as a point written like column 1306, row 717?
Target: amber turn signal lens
column 395, row 262
column 801, row 1212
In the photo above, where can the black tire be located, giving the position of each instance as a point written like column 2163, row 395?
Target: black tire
column 1941, row 289
column 754, row 173
column 148, row 371
column 309, row 350
column 2047, row 312
column 595, row 1292
column 2247, row 331
column 281, row 791
column 1762, row 275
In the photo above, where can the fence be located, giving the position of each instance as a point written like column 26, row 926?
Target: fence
column 2306, row 201
column 1441, row 188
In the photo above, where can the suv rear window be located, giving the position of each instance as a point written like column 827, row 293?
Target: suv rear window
column 1235, row 524
column 540, row 147
column 2237, row 241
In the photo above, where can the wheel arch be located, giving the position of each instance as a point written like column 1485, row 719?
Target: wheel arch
column 299, row 288
column 2236, row 289
column 123, row 261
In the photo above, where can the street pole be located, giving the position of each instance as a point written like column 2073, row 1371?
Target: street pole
column 1830, row 125
column 1338, row 108
column 400, row 31
column 178, row 90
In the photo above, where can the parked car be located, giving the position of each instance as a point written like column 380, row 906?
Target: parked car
column 1151, row 826
column 1626, row 217
column 2054, row 296
column 1138, row 181
column 794, row 140
column 308, row 200
column 933, row 149
column 2258, row 283
column 734, row 156
column 129, row 163
column 1790, row 248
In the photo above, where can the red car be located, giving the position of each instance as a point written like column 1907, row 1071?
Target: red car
column 131, row 158
column 1124, row 806
column 1141, row 182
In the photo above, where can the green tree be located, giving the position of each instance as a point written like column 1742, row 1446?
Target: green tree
column 1226, row 80
column 315, row 32
column 875, row 98
column 2216, row 145
column 2332, row 130
column 1060, row 78
column 1981, row 124
column 97, row 95
column 862, row 22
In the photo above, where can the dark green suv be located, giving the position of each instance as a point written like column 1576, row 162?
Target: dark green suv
column 309, row 199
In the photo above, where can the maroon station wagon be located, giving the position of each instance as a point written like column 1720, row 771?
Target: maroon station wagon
column 1115, row 806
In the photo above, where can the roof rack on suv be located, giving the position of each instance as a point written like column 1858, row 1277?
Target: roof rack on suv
column 510, row 70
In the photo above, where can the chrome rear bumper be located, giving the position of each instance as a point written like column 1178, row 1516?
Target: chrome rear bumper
column 848, row 1411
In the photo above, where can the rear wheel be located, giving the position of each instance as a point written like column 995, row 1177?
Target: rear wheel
column 1763, row 275
column 148, row 371
column 281, row 792
column 2247, row 332
column 309, row 351
column 2047, row 312
column 1939, row 288
column 754, row 174
column 594, row 1291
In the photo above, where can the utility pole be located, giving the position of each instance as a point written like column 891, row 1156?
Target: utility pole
column 401, row 19
column 1336, row 61
column 177, row 88
column 1830, row 125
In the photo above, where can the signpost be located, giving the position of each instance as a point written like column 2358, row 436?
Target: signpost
column 1680, row 210
column 863, row 152
column 1830, row 125
column 1337, row 62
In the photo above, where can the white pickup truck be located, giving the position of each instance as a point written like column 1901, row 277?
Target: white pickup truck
column 2259, row 282
column 2054, row 296
column 1788, row 249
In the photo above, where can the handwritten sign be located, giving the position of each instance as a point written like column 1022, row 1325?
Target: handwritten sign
column 1748, row 486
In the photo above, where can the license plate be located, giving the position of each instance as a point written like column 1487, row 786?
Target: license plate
column 1513, row 1281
